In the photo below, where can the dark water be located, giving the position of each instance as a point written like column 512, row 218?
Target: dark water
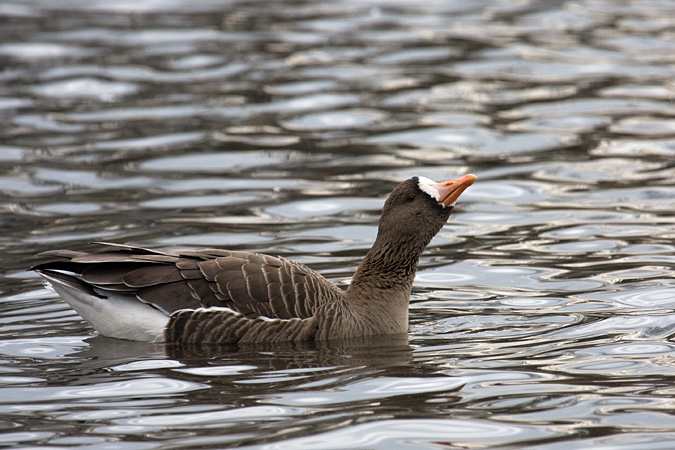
column 542, row 315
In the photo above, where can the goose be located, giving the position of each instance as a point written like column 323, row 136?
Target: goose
column 215, row 296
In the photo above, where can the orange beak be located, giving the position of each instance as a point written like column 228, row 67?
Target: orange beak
column 451, row 190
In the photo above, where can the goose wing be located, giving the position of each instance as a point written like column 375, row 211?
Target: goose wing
column 251, row 284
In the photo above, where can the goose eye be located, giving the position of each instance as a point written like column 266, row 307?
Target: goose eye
column 410, row 198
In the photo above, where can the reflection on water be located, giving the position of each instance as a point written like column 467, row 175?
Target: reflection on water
column 543, row 313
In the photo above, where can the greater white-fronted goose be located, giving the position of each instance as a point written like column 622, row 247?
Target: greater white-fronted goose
column 226, row 297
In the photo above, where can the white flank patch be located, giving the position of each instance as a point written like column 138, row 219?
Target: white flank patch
column 232, row 312
column 426, row 185
column 220, row 309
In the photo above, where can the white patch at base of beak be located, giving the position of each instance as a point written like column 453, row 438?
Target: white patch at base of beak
column 426, row 185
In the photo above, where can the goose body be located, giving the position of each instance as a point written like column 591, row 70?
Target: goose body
column 214, row 296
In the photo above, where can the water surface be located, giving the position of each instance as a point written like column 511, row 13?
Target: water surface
column 542, row 314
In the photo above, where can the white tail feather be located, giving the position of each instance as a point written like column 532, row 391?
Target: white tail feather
column 116, row 315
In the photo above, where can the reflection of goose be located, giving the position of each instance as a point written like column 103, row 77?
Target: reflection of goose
column 373, row 352
column 220, row 296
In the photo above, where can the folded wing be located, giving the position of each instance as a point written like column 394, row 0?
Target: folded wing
column 253, row 285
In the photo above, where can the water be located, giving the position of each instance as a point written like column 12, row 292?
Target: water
column 542, row 314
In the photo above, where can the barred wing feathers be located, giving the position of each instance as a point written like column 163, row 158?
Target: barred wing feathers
column 211, row 295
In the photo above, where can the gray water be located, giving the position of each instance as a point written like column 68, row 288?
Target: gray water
column 542, row 314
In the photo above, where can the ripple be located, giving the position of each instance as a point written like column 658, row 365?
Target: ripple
column 24, row 436
column 644, row 249
column 17, row 11
column 131, row 6
column 4, row 379
column 311, row 102
column 145, row 365
column 635, row 148
column 616, row 368
column 637, row 90
column 143, row 387
column 332, row 239
column 324, row 207
column 654, row 297
column 650, row 198
column 644, row 126
column 644, row 326
column 214, row 240
column 72, row 178
column 497, row 93
column 51, row 237
column 435, row 119
column 474, row 140
column 581, row 247
column 35, row 51
column 513, row 191
column 368, row 390
column 99, row 415
column 222, row 418
column 9, row 103
column 639, row 273
column 86, row 88
column 140, row 113
column 639, row 44
column 135, row 37
column 606, row 169
column 417, row 55
column 568, row 20
column 226, row 184
column 640, row 349
column 413, row 433
column 592, row 106
column 301, row 87
column 590, row 231
column 196, row 62
column 43, row 347
column 70, row 208
column 501, row 277
column 648, row 440
column 197, row 201
column 533, row 302
column 17, row 186
column 40, row 122
column 336, row 120
column 214, row 162
column 528, row 71
column 163, row 141
column 220, row 371
column 578, row 124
